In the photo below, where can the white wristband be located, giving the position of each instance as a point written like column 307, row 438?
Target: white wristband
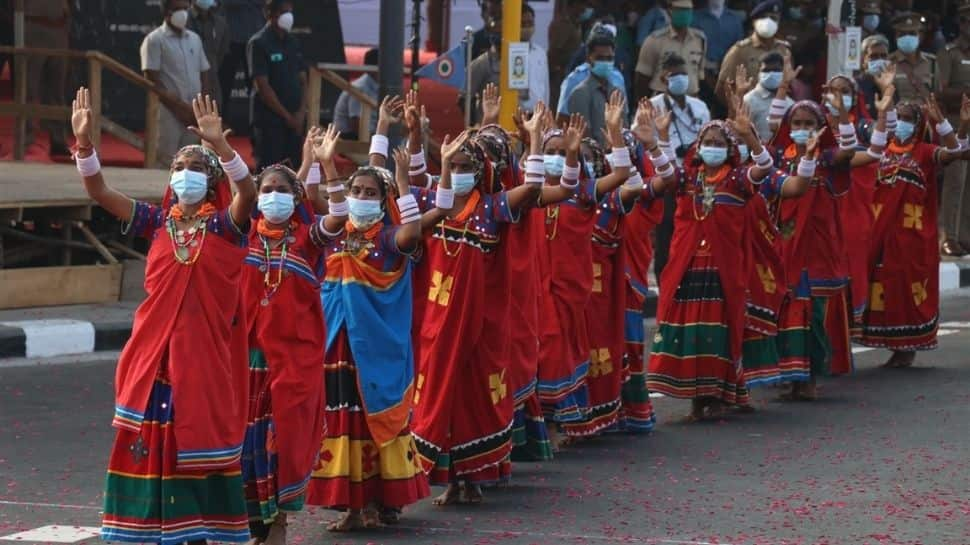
column 570, row 173
column 943, row 128
column 378, row 145
column 874, row 154
column 668, row 170
column 879, row 138
column 417, row 159
column 846, row 130
column 339, row 209
column 88, row 166
column 621, row 158
column 806, row 167
column 313, row 177
column 634, row 182
column 964, row 143
column 409, row 208
column 235, row 168
column 763, row 159
column 444, row 198
column 534, row 166
column 567, row 183
column 659, row 162
column 891, row 118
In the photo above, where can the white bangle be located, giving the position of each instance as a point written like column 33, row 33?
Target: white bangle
column 848, row 144
column 944, row 128
column 668, row 170
column 874, row 154
column 378, row 145
column 409, row 208
column 313, row 177
column 564, row 182
column 534, row 166
column 762, row 159
column 323, row 227
column 444, row 198
column 806, row 167
column 570, row 173
column 88, row 166
column 335, row 188
column 235, row 168
column 634, row 182
column 339, row 209
column 621, row 158
column 417, row 159
column 846, row 130
column 879, row 138
column 659, row 162
column 964, row 143
column 891, row 118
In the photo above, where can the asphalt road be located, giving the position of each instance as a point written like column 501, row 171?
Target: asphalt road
column 883, row 458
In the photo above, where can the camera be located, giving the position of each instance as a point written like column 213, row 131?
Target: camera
column 681, row 151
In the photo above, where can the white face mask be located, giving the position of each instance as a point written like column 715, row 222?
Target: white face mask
column 766, row 27
column 179, row 18
column 285, row 21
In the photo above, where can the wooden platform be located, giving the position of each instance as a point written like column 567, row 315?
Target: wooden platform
column 35, row 191
column 56, row 190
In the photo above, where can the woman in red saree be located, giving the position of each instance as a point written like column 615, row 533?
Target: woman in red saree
column 281, row 294
column 368, row 459
column 463, row 404
column 174, row 477
column 564, row 350
column 904, row 260
column 814, row 324
column 700, row 324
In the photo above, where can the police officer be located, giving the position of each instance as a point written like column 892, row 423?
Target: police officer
column 915, row 70
column 766, row 17
column 954, row 72
column 677, row 38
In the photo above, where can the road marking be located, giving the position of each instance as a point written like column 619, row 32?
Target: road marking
column 47, row 338
column 861, row 349
column 51, row 505
column 55, row 534
column 959, row 325
column 941, row 332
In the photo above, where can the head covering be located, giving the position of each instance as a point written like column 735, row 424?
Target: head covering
column 919, row 122
column 495, row 140
column 597, row 162
column 858, row 98
column 870, row 6
column 692, row 160
column 214, row 173
column 481, row 166
column 302, row 211
column 766, row 8
column 385, row 179
column 782, row 138
column 907, row 21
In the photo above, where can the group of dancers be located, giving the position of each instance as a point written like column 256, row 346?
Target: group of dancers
column 313, row 339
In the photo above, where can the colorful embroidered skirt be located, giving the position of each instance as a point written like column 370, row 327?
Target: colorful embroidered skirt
column 813, row 336
column 636, row 410
column 530, row 439
column 264, row 500
column 147, row 501
column 353, row 471
column 759, row 356
column 903, row 315
column 691, row 350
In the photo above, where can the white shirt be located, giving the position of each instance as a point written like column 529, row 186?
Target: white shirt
column 758, row 101
column 686, row 122
column 538, row 79
column 179, row 59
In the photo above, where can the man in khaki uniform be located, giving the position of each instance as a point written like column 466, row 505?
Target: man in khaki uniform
column 679, row 38
column 954, row 72
column 47, row 25
column 915, row 70
column 750, row 50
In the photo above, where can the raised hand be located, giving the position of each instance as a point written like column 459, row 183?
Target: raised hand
column 81, row 117
column 534, row 125
column 812, row 144
column 742, row 81
column 789, row 74
column 412, row 112
column 835, row 99
column 643, row 123
column 325, row 147
column 885, row 102
column 886, row 77
column 614, row 111
column 932, row 110
column 574, row 133
column 491, row 104
column 450, row 147
column 402, row 159
column 741, row 123
column 208, row 123
column 311, row 137
column 390, row 110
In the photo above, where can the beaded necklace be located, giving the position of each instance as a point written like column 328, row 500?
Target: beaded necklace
column 552, row 218
column 184, row 240
column 270, row 287
column 708, row 185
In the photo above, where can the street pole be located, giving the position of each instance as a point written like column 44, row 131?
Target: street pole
column 391, row 60
column 415, row 42
column 511, row 32
column 468, row 75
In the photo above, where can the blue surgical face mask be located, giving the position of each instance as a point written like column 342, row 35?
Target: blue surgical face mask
column 276, row 207
column 800, row 136
column 743, row 152
column 602, row 69
column 770, row 80
column 554, row 164
column 876, row 66
column 189, row 186
column 205, row 5
column 904, row 130
column 678, row 84
column 907, row 43
column 713, row 156
column 870, row 21
column 364, row 212
column 463, row 182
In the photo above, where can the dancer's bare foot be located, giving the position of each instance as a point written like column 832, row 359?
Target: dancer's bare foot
column 904, row 359
column 715, row 409
column 697, row 406
column 371, row 517
column 351, row 520
column 390, row 515
column 450, row 496
column 792, row 394
column 471, row 494
column 808, row 392
column 892, row 362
